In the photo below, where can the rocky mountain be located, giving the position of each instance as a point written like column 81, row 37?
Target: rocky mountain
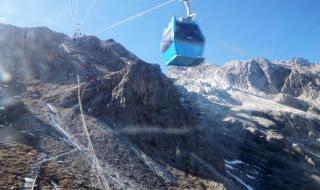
column 265, row 116
column 297, row 79
column 138, row 134
column 246, row 125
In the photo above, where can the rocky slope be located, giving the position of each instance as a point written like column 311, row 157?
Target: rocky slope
column 264, row 117
column 142, row 136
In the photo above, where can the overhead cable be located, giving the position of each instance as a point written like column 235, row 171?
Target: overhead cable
column 131, row 18
column 88, row 12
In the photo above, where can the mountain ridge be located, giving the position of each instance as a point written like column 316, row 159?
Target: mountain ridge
column 294, row 78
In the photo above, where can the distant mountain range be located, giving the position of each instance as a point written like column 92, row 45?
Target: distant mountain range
column 297, row 79
column 265, row 116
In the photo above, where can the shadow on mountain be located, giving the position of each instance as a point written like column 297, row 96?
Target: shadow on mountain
column 20, row 126
column 200, row 150
column 189, row 149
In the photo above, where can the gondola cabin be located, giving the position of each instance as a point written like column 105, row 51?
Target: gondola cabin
column 183, row 43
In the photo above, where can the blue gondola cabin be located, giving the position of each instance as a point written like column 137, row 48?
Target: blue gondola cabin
column 183, row 43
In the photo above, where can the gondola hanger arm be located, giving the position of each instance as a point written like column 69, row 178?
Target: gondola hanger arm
column 190, row 15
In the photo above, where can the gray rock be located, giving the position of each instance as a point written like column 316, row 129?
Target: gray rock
column 275, row 145
column 291, row 101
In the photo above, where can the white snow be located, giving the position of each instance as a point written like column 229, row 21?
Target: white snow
column 28, row 183
column 229, row 166
column 251, row 177
column 234, row 162
column 240, row 180
column 2, row 108
column 314, row 154
column 54, row 123
column 55, row 186
column 52, row 113
column 57, row 156
column 31, row 134
column 65, row 48
column 28, row 180
column 318, row 140
column 51, row 108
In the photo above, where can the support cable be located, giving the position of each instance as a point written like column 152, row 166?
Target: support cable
column 72, row 13
column 131, row 18
column 300, row 38
column 99, row 168
column 77, row 10
column 88, row 12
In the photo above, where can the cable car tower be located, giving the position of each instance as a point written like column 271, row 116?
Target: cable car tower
column 77, row 34
column 183, row 42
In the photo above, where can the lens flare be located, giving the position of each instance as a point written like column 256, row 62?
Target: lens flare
column 5, row 76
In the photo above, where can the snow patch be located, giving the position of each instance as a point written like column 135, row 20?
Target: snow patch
column 229, row 166
column 51, row 108
column 28, row 180
column 251, row 177
column 240, row 181
column 65, row 48
column 234, row 162
column 52, row 118
column 28, row 183
column 55, row 186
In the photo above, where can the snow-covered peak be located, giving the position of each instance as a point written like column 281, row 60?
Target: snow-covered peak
column 296, row 61
column 256, row 76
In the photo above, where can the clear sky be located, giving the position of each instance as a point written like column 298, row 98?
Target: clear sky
column 234, row 29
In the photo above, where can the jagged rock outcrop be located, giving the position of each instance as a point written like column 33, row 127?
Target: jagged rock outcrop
column 258, row 75
column 139, row 94
column 297, row 78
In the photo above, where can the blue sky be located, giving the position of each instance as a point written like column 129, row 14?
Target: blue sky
column 234, row 29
